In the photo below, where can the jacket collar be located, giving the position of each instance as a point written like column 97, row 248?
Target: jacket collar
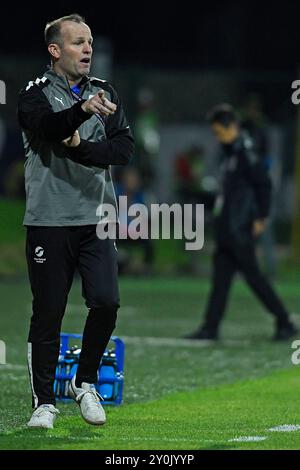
column 53, row 77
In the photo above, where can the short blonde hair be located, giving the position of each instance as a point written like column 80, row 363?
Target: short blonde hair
column 52, row 30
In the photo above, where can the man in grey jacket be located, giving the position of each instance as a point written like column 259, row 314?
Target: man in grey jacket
column 73, row 129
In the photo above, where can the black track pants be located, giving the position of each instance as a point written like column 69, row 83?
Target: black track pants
column 53, row 254
column 242, row 258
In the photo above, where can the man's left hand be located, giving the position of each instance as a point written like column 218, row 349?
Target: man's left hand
column 72, row 141
column 259, row 226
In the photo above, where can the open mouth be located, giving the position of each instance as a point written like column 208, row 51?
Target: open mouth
column 86, row 60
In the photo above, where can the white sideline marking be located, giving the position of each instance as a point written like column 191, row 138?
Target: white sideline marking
column 158, row 341
column 70, row 308
column 78, row 309
column 285, row 428
column 248, row 439
column 175, row 342
column 13, row 367
column 81, row 309
column 127, row 310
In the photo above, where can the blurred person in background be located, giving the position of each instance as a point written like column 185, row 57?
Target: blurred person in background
column 130, row 185
column 241, row 213
column 11, row 163
column 193, row 185
column 14, row 181
column 73, row 128
column 3, row 141
column 2, row 136
column 147, row 136
column 256, row 123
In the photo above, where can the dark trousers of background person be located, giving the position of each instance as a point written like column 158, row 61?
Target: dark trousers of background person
column 53, row 254
column 228, row 259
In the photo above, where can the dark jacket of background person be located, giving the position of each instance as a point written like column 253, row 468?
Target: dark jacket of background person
column 245, row 193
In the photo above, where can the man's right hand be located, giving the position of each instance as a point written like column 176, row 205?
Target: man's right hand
column 99, row 104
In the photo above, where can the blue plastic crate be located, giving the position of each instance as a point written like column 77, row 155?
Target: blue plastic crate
column 110, row 373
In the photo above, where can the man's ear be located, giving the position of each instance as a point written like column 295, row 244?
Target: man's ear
column 54, row 51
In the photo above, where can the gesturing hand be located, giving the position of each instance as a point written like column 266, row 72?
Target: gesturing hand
column 72, row 141
column 99, row 104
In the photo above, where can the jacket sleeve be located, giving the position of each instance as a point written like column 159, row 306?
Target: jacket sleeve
column 116, row 149
column 261, row 182
column 36, row 115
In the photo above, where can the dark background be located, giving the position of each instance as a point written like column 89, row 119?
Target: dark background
column 253, row 34
column 189, row 56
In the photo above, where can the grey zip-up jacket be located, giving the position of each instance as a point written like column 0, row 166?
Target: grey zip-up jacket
column 65, row 186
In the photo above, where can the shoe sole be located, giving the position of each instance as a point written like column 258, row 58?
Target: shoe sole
column 92, row 422
column 39, row 426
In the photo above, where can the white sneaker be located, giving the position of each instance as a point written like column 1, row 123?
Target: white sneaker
column 43, row 417
column 89, row 401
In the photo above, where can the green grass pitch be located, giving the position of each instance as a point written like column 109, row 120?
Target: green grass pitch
column 178, row 394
